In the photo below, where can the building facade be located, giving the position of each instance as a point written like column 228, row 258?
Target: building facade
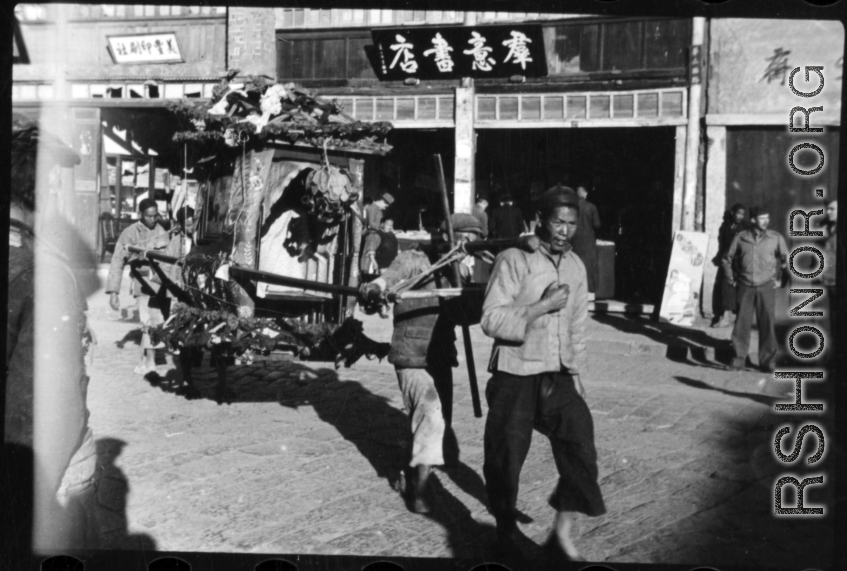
column 663, row 120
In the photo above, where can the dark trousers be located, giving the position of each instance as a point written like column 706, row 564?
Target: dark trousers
column 760, row 300
column 550, row 404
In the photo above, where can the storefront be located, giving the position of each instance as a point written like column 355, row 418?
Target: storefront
column 101, row 77
column 747, row 123
column 610, row 112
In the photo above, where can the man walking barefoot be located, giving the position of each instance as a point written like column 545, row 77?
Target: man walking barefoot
column 536, row 307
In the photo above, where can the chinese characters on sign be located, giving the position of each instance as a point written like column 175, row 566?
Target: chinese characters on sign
column 145, row 48
column 777, row 66
column 451, row 53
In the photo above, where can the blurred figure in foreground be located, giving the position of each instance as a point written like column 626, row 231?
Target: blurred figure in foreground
column 49, row 453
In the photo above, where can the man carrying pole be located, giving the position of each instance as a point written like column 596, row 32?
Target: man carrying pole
column 423, row 352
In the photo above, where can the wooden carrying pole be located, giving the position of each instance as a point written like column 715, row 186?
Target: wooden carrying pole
column 466, row 332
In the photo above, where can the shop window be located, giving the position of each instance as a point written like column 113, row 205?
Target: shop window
column 577, row 107
column 554, row 107
column 530, row 107
column 648, row 105
column 445, row 108
column 405, row 109
column 324, row 56
column 624, row 106
column 427, row 108
column 616, row 47
column 599, row 106
column 486, row 108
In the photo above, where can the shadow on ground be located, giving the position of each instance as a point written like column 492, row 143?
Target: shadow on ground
column 727, row 510
column 379, row 431
column 112, row 491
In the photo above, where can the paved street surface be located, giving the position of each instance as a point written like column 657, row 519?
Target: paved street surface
column 307, row 458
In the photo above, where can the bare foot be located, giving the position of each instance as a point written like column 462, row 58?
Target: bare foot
column 563, row 529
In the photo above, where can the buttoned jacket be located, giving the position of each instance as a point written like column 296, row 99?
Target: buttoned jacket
column 553, row 342
column 755, row 260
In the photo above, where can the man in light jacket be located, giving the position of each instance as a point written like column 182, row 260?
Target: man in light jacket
column 536, row 307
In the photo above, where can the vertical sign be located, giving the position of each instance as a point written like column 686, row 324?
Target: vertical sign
column 685, row 276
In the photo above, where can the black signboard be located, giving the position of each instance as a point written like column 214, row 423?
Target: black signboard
column 456, row 52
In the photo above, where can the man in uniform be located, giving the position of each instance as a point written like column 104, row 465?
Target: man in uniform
column 754, row 263
column 536, row 308
column 147, row 233
column 423, row 352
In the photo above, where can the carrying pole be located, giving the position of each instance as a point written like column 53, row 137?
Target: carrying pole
column 466, row 332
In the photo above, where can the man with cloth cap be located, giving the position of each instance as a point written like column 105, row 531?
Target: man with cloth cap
column 423, row 352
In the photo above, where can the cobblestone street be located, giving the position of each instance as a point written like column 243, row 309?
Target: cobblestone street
column 307, row 459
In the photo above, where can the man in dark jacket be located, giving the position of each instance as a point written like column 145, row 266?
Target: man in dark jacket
column 754, row 264
column 726, row 303
column 506, row 222
column 585, row 240
column 46, row 382
column 423, row 352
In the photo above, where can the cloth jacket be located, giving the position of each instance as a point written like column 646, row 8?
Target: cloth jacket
column 424, row 329
column 552, row 343
column 136, row 235
column 755, row 261
column 373, row 215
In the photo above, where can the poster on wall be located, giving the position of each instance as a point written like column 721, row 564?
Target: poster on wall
column 685, row 276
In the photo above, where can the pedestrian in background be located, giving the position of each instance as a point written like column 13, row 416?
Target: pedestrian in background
column 536, row 301
column 507, row 221
column 725, row 298
column 585, row 239
column 479, row 211
column 754, row 264
column 147, row 233
column 380, row 249
column 374, row 211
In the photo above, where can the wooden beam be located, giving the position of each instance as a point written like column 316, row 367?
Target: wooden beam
column 582, row 123
column 678, row 177
column 778, row 119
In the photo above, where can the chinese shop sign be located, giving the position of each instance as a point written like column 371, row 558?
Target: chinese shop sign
column 145, row 48
column 456, row 52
